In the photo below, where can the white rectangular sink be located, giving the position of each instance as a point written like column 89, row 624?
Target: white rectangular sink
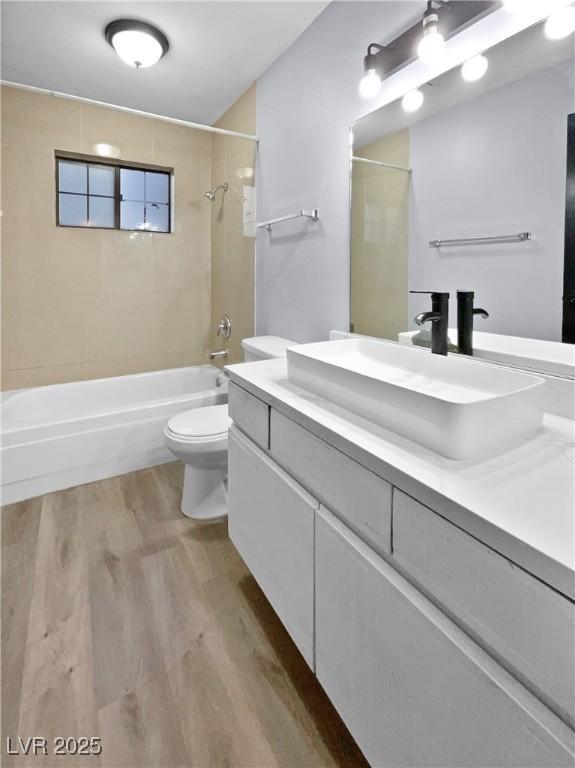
column 459, row 408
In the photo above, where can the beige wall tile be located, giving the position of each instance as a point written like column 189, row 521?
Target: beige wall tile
column 62, row 261
column 41, row 329
column 135, row 364
column 37, row 122
column 241, row 116
column 180, row 323
column 28, row 185
column 170, row 139
column 132, row 135
column 118, row 326
column 184, row 269
column 80, row 302
column 126, row 262
column 90, row 303
column 40, row 377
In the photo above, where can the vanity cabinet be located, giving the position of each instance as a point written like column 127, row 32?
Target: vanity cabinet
column 360, row 498
column 250, row 414
column 434, row 649
column 523, row 622
column 271, row 523
column 412, row 688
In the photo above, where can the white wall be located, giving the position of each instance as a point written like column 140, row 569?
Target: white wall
column 306, row 102
column 495, row 165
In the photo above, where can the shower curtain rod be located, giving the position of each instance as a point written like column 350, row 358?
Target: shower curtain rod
column 357, row 159
column 129, row 110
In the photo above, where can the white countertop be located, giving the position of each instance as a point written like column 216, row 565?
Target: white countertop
column 521, row 503
column 538, row 355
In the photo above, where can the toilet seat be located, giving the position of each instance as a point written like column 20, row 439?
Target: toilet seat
column 201, row 424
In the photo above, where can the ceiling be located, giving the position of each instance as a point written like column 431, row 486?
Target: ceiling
column 217, row 50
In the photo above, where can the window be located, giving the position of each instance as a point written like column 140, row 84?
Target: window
column 112, row 195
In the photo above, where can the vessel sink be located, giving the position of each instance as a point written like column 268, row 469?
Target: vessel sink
column 462, row 409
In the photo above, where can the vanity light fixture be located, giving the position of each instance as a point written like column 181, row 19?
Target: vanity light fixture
column 561, row 23
column 442, row 20
column 137, row 43
column 373, row 67
column 432, row 44
column 412, row 101
column 474, row 68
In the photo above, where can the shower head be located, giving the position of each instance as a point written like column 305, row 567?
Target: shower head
column 211, row 194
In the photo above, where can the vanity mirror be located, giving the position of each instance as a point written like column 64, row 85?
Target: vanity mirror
column 469, row 184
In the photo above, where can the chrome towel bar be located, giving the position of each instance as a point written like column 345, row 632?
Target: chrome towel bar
column 520, row 237
column 313, row 215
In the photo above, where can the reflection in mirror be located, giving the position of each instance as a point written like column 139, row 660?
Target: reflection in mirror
column 480, row 158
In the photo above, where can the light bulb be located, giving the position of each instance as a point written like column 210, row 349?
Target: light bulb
column 561, row 23
column 412, row 101
column 431, row 45
column 370, row 84
column 136, row 48
column 474, row 68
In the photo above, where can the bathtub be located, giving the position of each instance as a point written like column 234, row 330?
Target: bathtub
column 67, row 434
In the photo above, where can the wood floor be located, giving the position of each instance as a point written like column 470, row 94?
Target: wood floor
column 122, row 619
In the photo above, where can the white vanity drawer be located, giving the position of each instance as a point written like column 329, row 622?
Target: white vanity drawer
column 271, row 523
column 525, row 623
column 354, row 493
column 250, row 414
column 413, row 689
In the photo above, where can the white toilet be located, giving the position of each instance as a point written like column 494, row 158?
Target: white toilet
column 199, row 438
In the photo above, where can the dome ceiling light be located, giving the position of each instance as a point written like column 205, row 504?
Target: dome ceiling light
column 137, row 43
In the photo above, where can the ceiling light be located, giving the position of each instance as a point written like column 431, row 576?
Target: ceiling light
column 137, row 43
column 412, row 101
column 561, row 23
column 432, row 44
column 373, row 67
column 474, row 68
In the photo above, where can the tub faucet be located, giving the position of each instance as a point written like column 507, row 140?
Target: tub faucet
column 465, row 315
column 439, row 319
column 219, row 353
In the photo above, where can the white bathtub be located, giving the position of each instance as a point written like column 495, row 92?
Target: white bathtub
column 67, row 434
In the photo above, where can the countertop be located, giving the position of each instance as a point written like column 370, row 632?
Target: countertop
column 520, row 503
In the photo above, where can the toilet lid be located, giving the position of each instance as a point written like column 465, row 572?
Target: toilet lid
column 201, row 422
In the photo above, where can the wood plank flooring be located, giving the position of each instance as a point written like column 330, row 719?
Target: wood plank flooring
column 124, row 620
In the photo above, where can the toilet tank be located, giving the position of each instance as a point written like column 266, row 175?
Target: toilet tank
column 265, row 347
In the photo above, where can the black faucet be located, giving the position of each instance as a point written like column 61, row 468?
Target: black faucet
column 465, row 314
column 439, row 319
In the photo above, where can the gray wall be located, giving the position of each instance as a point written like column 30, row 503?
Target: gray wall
column 305, row 104
column 495, row 165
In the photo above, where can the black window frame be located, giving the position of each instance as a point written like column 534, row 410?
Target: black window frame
column 118, row 165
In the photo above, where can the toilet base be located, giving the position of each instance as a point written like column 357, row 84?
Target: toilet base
column 205, row 494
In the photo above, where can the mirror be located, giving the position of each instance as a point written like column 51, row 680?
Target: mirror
column 488, row 158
